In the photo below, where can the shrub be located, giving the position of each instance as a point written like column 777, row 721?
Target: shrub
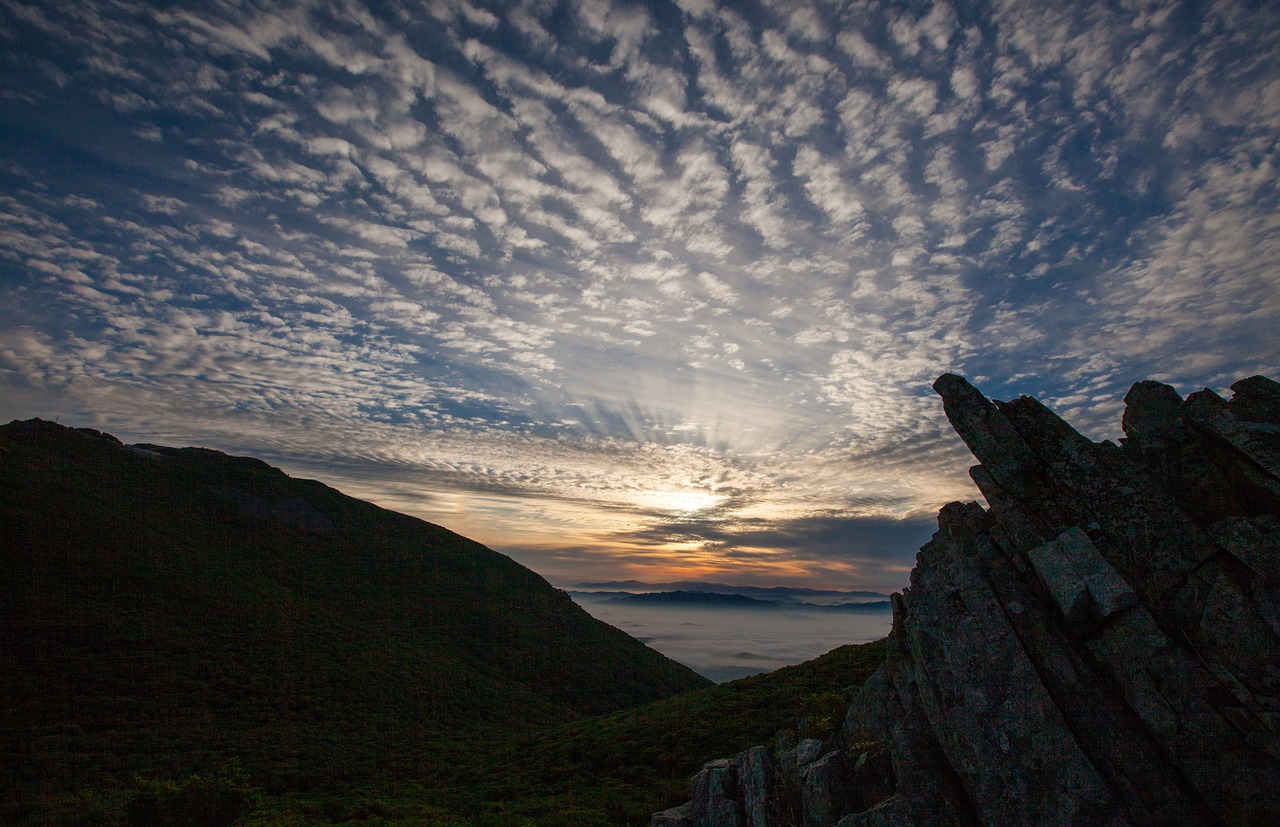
column 822, row 714
column 218, row 800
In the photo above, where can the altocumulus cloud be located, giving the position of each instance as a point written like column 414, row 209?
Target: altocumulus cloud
column 631, row 289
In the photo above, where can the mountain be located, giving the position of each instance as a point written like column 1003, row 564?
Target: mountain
column 710, row 600
column 170, row 610
column 718, row 600
column 858, row 608
column 1098, row 646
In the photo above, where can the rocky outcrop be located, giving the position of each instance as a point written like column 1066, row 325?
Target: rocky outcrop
column 1100, row 645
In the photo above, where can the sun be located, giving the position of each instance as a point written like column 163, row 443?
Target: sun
column 680, row 501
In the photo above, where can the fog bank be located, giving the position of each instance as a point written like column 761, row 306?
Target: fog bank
column 725, row 644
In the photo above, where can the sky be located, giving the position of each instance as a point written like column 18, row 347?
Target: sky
column 632, row 290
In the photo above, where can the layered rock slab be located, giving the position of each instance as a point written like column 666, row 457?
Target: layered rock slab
column 1101, row 645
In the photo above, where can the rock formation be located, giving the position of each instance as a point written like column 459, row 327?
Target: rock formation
column 1099, row 646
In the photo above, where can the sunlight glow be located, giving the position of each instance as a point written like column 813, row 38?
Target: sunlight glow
column 684, row 501
column 601, row 326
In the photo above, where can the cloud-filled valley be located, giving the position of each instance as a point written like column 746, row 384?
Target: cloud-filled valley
column 631, row 290
column 740, row 632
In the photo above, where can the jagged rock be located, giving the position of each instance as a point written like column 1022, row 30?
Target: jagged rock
column 995, row 720
column 681, row 816
column 1256, row 399
column 1250, row 449
column 755, row 781
column 871, row 779
column 1152, row 412
column 1100, row 646
column 1084, row 586
column 826, row 792
column 936, row 793
column 794, row 760
column 888, row 813
column 716, row 798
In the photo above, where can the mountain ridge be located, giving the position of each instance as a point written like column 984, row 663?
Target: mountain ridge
column 719, row 588
column 168, row 609
column 721, row 600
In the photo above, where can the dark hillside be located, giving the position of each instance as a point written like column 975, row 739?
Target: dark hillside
column 629, row 763
column 168, row 609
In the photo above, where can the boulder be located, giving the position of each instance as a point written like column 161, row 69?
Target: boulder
column 717, row 800
column 681, row 816
column 825, row 795
column 1085, row 588
column 756, row 772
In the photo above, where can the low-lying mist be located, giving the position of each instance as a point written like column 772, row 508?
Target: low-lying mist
column 725, row 644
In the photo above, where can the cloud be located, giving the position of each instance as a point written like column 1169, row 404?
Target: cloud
column 544, row 277
column 725, row 644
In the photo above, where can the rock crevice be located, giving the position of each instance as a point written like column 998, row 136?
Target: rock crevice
column 1100, row 645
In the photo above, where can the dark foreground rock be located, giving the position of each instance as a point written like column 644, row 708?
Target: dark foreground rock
column 1099, row 646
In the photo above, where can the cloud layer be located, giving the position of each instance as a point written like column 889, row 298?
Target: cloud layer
column 631, row 289
column 726, row 644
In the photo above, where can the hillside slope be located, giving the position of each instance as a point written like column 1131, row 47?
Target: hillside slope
column 623, row 765
column 166, row 610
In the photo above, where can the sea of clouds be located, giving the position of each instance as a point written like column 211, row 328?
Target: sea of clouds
column 726, row 644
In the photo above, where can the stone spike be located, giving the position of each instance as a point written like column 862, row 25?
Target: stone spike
column 987, row 432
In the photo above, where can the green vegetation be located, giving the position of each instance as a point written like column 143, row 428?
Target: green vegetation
column 225, row 797
column 613, row 769
column 632, row 763
column 195, row 638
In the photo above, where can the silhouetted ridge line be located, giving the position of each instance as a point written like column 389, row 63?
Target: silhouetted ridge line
column 720, row 588
column 717, row 600
column 167, row 609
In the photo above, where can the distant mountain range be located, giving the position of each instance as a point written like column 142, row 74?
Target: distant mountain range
column 718, row 600
column 775, row 593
